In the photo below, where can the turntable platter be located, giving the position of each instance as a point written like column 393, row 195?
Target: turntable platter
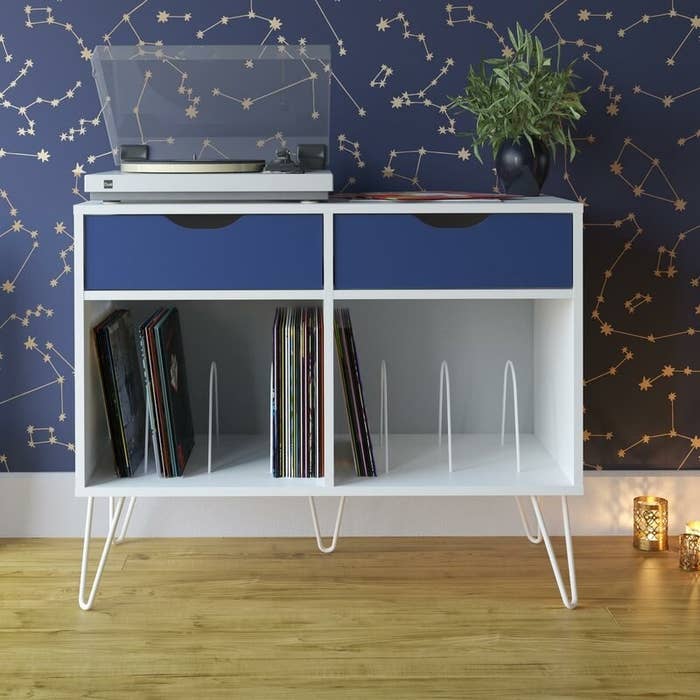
column 192, row 166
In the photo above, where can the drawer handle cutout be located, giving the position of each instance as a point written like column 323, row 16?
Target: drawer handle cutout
column 203, row 220
column 451, row 220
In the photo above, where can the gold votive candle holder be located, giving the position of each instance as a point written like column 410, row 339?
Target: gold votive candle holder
column 650, row 523
column 689, row 552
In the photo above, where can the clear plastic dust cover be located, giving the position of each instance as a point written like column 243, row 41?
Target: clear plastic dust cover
column 214, row 102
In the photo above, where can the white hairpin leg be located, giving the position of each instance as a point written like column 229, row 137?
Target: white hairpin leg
column 569, row 601
column 127, row 519
column 535, row 539
column 317, row 532
column 213, row 408
column 130, row 509
column 384, row 414
column 117, row 511
column 445, row 384
column 509, row 365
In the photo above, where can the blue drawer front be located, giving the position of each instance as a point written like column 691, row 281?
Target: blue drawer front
column 256, row 251
column 445, row 251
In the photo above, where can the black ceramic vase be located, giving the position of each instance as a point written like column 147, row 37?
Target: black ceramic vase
column 519, row 169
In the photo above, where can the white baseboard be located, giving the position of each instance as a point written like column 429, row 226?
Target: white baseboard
column 43, row 505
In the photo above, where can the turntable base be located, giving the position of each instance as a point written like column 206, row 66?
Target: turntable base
column 118, row 186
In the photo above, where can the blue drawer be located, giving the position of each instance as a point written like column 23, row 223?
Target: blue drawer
column 453, row 251
column 257, row 251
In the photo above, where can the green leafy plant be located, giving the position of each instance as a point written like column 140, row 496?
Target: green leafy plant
column 521, row 95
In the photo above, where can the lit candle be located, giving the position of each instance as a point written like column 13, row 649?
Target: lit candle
column 650, row 523
column 692, row 527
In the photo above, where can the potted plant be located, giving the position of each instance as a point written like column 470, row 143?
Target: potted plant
column 524, row 109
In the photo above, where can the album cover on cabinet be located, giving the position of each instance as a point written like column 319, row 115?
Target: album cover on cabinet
column 123, row 389
column 174, row 390
column 360, row 437
column 296, row 410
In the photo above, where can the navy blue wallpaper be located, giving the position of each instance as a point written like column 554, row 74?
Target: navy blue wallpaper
column 394, row 64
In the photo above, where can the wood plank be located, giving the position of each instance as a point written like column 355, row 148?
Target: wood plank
column 382, row 617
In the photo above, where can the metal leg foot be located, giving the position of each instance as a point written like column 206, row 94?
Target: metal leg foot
column 572, row 600
column 534, row 539
column 314, row 518
column 116, row 511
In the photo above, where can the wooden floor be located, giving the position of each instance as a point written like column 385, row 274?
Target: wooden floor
column 380, row 618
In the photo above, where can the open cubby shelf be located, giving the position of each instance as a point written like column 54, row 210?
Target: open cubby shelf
column 533, row 320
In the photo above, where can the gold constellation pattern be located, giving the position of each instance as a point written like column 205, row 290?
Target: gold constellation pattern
column 50, row 346
column 684, row 139
column 606, row 328
column 4, row 462
column 667, row 371
column 672, row 433
column 560, row 40
column 157, row 51
column 48, row 437
column 8, row 286
column 420, row 97
column 348, row 183
column 636, row 300
column 385, row 24
column 638, row 189
column 247, row 102
column 23, row 110
column 671, row 13
column 42, row 155
column 361, row 111
column 352, row 147
column 25, row 320
column 342, row 51
column 613, row 107
column 191, row 110
column 49, row 19
column 666, row 100
column 506, row 51
column 11, row 207
column 164, row 16
column 26, row 67
column 31, row 345
column 284, row 48
column 277, row 136
column 585, row 15
column 627, row 355
column 566, row 176
column 209, row 144
column 60, row 229
column 79, row 170
column 389, row 171
column 662, row 250
column 383, row 74
column 126, row 21
column 83, row 123
column 274, row 24
column 8, row 56
column 587, row 435
column 59, row 380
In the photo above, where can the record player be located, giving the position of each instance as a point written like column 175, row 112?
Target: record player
column 214, row 123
